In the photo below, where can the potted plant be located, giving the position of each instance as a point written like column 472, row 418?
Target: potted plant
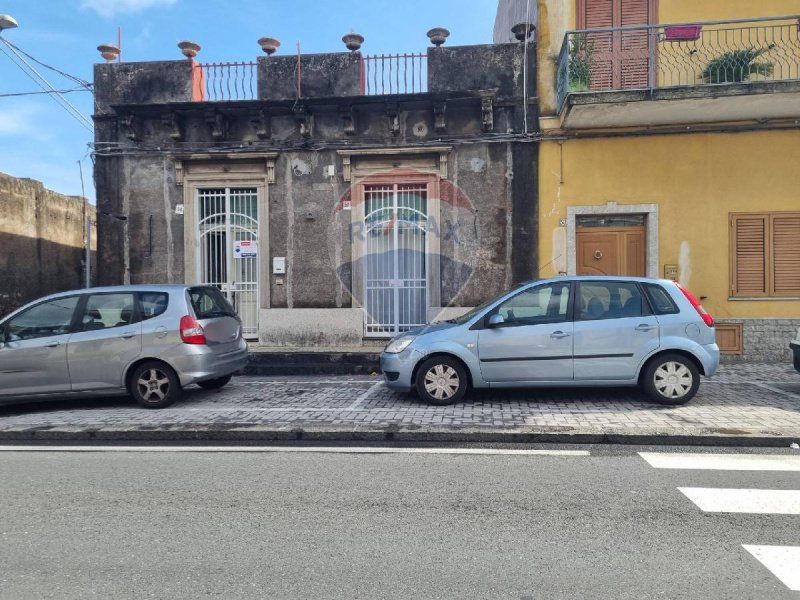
column 737, row 66
column 581, row 56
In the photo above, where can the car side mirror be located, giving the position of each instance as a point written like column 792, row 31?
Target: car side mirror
column 496, row 320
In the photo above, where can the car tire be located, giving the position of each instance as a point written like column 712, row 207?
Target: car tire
column 215, row 384
column 671, row 379
column 441, row 380
column 154, row 384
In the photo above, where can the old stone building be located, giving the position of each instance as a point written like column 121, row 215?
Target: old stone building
column 334, row 198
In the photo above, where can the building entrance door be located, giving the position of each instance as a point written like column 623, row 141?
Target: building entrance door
column 228, row 256
column 395, row 258
column 611, row 245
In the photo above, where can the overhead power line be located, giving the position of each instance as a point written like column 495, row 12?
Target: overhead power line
column 19, row 60
column 78, row 80
column 11, row 95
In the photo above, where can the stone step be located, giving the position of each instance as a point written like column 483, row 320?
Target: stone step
column 298, row 362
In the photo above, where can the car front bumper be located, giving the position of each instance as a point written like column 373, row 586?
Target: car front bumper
column 398, row 369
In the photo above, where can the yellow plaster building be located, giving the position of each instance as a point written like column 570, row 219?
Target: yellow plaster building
column 671, row 148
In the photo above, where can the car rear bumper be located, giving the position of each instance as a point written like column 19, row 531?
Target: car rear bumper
column 795, row 346
column 204, row 364
column 708, row 354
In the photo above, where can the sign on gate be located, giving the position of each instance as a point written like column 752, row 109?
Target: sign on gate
column 245, row 249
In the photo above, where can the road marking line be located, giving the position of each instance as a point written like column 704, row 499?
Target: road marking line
column 364, row 396
column 722, row 462
column 778, row 390
column 761, row 502
column 782, row 561
column 309, row 449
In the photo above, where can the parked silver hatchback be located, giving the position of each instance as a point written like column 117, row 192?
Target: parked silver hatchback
column 146, row 340
column 569, row 331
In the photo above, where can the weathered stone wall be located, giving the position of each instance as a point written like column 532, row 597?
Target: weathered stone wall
column 41, row 241
column 765, row 340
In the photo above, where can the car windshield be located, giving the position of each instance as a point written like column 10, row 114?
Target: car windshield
column 480, row 308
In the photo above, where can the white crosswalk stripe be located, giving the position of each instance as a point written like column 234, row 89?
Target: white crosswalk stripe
column 723, row 462
column 760, row 502
column 782, row 561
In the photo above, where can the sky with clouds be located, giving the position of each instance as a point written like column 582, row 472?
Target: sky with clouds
column 40, row 140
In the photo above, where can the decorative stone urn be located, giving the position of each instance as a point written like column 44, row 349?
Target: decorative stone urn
column 189, row 48
column 108, row 51
column 269, row 45
column 523, row 31
column 353, row 41
column 438, row 35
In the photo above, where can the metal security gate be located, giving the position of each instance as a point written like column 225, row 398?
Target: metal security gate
column 229, row 253
column 395, row 259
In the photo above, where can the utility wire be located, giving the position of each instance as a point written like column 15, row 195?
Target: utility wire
column 78, row 80
column 31, row 72
column 80, row 89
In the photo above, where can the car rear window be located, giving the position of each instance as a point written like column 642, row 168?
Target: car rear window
column 660, row 300
column 153, row 304
column 208, row 302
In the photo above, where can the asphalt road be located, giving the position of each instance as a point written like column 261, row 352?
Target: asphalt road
column 143, row 524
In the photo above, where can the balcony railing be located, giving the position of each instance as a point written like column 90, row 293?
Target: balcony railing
column 681, row 54
column 220, row 82
column 394, row 74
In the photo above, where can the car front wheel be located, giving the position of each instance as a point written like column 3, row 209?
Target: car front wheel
column 441, row 380
column 154, row 385
column 671, row 379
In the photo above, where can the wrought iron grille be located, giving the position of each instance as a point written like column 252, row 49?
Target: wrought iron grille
column 220, row 82
column 685, row 54
column 394, row 74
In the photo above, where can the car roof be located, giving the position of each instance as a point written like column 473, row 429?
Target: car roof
column 156, row 287
column 599, row 278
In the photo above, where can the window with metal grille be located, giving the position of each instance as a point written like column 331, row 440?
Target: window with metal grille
column 765, row 254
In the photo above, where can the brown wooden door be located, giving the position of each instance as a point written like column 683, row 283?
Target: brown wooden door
column 620, row 59
column 611, row 251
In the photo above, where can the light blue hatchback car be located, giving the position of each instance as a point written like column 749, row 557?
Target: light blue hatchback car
column 568, row 331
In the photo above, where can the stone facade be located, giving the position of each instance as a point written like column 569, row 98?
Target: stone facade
column 310, row 158
column 42, row 237
column 765, row 340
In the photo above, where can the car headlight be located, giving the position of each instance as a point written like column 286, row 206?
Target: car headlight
column 398, row 345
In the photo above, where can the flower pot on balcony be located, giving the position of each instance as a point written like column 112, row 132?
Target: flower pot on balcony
column 438, row 35
column 269, row 45
column 353, row 41
column 189, row 48
column 108, row 51
column 522, row 31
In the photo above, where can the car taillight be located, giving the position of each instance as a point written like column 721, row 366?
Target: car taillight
column 707, row 318
column 191, row 331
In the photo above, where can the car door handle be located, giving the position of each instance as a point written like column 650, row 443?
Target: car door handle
column 645, row 327
column 127, row 335
column 558, row 335
column 53, row 344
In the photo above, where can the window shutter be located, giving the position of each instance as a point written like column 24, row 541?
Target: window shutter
column 634, row 54
column 786, row 254
column 598, row 14
column 749, row 255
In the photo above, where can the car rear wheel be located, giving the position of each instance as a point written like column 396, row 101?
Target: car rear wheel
column 671, row 379
column 154, row 385
column 214, row 384
column 441, row 380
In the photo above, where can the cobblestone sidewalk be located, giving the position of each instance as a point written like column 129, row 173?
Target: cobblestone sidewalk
column 749, row 399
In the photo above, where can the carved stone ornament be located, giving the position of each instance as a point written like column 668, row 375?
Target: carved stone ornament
column 131, row 127
column 173, row 126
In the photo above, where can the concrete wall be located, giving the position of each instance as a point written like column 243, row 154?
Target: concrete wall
column 41, row 241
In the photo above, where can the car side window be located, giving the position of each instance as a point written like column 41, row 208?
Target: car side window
column 53, row 317
column 542, row 304
column 105, row 311
column 609, row 300
column 153, row 304
column 660, row 300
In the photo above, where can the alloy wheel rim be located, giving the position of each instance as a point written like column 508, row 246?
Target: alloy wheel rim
column 673, row 380
column 442, row 382
column 153, row 385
